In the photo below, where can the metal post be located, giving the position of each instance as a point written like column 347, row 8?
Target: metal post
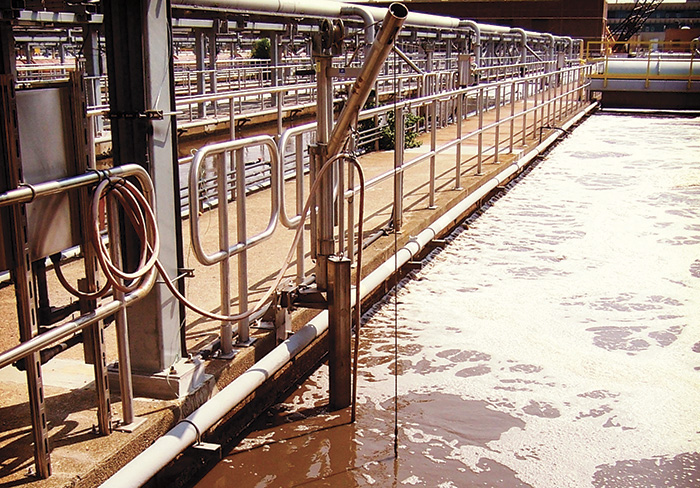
column 93, row 71
column 278, row 97
column 299, row 180
column 512, row 116
column 125, row 384
column 324, row 232
column 93, row 336
column 199, row 53
column 211, row 37
column 480, row 137
column 226, row 329
column 339, row 331
column 241, row 234
column 497, row 129
column 141, row 78
column 433, row 146
column 10, row 170
column 351, row 211
column 526, row 89
column 534, row 108
column 458, row 161
column 399, row 144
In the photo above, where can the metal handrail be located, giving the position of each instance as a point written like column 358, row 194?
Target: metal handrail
column 219, row 149
column 224, row 153
column 39, row 190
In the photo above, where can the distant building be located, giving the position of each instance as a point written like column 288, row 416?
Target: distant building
column 584, row 20
column 671, row 21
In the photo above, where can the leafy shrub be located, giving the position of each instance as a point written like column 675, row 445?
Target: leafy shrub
column 261, row 49
column 411, row 122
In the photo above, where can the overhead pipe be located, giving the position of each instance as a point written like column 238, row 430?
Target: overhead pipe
column 523, row 37
column 327, row 8
column 476, row 28
column 367, row 18
column 156, row 457
column 381, row 47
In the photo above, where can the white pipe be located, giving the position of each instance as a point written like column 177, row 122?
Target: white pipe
column 327, row 8
column 147, row 464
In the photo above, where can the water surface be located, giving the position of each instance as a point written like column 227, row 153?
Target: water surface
column 554, row 343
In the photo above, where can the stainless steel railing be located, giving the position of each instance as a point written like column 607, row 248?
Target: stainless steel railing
column 221, row 157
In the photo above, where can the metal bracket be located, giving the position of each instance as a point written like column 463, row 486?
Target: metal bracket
column 146, row 114
column 343, row 72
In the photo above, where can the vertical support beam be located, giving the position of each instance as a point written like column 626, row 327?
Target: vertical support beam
column 199, row 53
column 120, row 318
column 339, row 330
column 93, row 73
column 10, row 177
column 93, row 337
column 141, row 78
column 324, row 235
column 211, row 37
column 275, row 62
column 8, row 61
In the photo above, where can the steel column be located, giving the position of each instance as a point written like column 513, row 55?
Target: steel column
column 141, row 81
column 340, row 332
column 11, row 172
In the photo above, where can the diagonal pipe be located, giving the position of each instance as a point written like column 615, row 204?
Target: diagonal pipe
column 381, row 47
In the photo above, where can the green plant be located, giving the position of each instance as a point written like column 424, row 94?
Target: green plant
column 261, row 49
column 411, row 122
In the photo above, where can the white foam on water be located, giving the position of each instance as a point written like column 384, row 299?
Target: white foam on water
column 570, row 304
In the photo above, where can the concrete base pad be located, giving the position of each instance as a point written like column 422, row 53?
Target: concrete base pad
column 181, row 379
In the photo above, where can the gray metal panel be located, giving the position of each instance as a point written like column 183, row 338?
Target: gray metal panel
column 45, row 145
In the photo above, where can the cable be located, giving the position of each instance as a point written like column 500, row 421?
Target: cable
column 396, row 292
column 142, row 218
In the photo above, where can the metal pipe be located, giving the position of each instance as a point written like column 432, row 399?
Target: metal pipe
column 213, row 258
column 366, row 16
column 408, row 60
column 523, row 47
column 394, row 19
column 147, row 464
column 476, row 28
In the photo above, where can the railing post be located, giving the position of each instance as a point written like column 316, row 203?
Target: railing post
column 299, row 180
column 226, row 329
column 340, row 332
column 458, row 158
column 399, row 144
column 526, row 89
column 512, row 117
column 497, row 131
column 242, row 235
column 433, row 146
column 480, row 137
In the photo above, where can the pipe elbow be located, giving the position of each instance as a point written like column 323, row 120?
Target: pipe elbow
column 366, row 15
